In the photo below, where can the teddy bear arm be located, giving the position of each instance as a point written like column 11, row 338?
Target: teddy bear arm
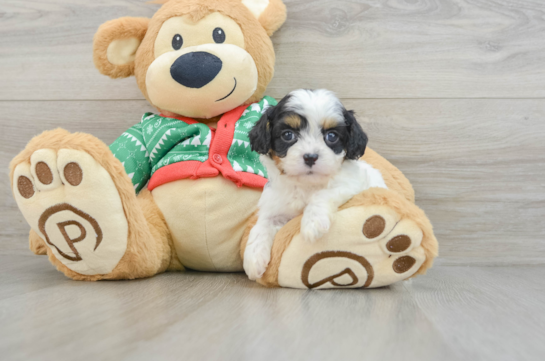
column 395, row 180
column 130, row 149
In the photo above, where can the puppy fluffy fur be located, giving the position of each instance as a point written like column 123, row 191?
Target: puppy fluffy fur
column 310, row 145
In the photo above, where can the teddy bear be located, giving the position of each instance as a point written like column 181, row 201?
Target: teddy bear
column 179, row 189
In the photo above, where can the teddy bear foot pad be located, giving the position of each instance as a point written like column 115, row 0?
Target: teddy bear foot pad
column 73, row 204
column 365, row 247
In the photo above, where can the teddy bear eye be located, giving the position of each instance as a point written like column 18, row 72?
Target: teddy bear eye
column 219, row 35
column 177, row 42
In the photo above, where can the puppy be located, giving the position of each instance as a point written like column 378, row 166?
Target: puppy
column 310, row 145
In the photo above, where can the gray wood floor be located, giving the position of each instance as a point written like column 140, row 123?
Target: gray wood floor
column 454, row 313
column 451, row 91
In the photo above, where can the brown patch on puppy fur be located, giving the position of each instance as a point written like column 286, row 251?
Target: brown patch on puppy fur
column 293, row 121
column 278, row 162
column 329, row 123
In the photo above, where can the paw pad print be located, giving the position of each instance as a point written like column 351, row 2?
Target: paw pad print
column 365, row 247
column 72, row 203
column 404, row 237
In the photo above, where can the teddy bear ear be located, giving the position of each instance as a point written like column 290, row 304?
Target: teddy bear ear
column 270, row 13
column 115, row 45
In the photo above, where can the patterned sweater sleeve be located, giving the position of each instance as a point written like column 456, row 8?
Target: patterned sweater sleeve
column 131, row 151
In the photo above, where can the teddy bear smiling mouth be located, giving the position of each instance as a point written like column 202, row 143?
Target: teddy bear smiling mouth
column 227, row 96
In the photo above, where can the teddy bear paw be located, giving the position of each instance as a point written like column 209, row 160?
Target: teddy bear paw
column 72, row 203
column 366, row 246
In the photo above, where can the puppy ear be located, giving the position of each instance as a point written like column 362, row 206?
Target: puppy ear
column 271, row 14
column 115, row 45
column 260, row 135
column 357, row 139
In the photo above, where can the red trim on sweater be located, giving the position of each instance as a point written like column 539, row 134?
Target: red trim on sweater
column 224, row 138
column 217, row 162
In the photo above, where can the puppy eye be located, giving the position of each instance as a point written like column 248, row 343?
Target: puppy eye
column 177, row 42
column 219, row 35
column 331, row 137
column 288, row 136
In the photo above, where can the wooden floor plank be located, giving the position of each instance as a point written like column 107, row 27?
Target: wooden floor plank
column 453, row 313
column 361, row 49
column 477, row 165
column 299, row 325
column 491, row 313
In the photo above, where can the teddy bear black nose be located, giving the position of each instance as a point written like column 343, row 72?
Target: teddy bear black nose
column 195, row 70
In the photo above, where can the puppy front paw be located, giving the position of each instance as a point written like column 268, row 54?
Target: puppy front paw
column 315, row 224
column 256, row 259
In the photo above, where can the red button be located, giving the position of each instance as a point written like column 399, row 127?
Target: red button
column 217, row 158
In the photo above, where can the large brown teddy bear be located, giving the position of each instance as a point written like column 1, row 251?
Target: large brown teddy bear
column 180, row 188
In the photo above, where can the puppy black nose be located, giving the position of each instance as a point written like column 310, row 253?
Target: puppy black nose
column 310, row 159
column 195, row 70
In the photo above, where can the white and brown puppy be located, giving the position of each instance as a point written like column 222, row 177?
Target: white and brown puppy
column 310, row 145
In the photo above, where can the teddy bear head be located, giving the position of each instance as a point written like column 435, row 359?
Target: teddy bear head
column 194, row 58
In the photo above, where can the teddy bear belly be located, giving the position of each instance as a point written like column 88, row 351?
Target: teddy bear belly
column 207, row 218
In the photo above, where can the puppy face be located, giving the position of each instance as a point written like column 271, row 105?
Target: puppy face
column 309, row 134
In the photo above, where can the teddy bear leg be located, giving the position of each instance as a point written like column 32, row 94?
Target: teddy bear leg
column 76, row 197
column 377, row 238
column 160, row 233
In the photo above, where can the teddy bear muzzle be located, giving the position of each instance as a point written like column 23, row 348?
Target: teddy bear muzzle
column 202, row 81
